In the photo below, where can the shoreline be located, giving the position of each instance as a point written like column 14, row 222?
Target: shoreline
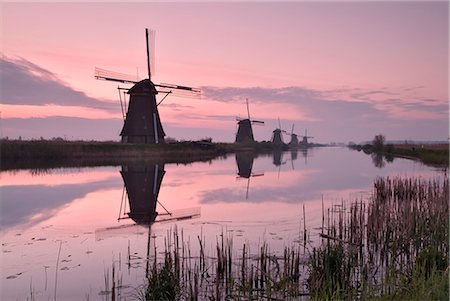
column 45, row 154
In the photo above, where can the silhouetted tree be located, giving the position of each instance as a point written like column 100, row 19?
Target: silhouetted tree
column 378, row 143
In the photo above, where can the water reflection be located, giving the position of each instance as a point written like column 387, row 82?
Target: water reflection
column 277, row 156
column 142, row 184
column 244, row 162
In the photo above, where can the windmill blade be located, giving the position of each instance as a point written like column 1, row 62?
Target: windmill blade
column 292, row 130
column 178, row 87
column 103, row 74
column 257, row 122
column 103, row 233
column 179, row 93
column 257, row 174
column 248, row 110
column 150, row 44
column 180, row 214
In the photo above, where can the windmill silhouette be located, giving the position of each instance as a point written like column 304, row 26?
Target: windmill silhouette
column 277, row 135
column 304, row 142
column 245, row 131
column 294, row 138
column 142, row 123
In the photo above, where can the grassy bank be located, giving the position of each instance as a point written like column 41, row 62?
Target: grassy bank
column 434, row 154
column 430, row 154
column 41, row 154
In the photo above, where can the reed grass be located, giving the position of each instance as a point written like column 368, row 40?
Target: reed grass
column 393, row 246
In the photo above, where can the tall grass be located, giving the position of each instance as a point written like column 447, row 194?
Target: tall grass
column 393, row 246
column 399, row 243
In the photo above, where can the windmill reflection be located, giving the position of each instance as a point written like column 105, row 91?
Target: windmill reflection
column 277, row 156
column 244, row 161
column 142, row 185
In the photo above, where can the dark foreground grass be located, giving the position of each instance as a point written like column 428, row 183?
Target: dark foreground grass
column 393, row 247
column 396, row 249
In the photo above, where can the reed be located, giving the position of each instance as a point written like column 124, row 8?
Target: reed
column 385, row 246
column 394, row 245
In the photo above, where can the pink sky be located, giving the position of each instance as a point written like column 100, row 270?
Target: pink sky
column 344, row 70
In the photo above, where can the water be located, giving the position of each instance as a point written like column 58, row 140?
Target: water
column 62, row 230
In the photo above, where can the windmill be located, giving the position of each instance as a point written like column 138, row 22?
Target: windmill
column 294, row 138
column 245, row 131
column 305, row 142
column 277, row 137
column 244, row 163
column 142, row 123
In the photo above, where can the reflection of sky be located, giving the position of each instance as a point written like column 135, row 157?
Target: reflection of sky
column 326, row 171
column 78, row 207
column 34, row 203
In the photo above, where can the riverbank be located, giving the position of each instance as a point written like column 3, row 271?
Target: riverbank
column 42, row 154
column 430, row 154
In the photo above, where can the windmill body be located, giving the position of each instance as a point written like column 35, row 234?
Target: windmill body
column 142, row 123
column 245, row 130
column 305, row 143
column 277, row 137
column 294, row 140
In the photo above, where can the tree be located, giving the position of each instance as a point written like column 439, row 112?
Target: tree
column 378, row 143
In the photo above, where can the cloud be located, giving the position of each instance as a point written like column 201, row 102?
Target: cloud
column 25, row 83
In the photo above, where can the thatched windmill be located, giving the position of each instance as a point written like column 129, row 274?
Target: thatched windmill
column 245, row 131
column 142, row 123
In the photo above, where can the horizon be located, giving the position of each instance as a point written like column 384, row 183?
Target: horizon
column 333, row 68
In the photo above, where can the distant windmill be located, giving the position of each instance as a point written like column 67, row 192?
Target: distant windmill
column 277, row 137
column 142, row 123
column 305, row 142
column 245, row 131
column 294, row 138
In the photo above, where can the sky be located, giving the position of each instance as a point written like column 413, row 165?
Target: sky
column 343, row 71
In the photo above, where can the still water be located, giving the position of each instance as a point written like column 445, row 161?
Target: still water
column 62, row 230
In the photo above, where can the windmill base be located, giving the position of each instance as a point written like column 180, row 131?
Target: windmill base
column 142, row 139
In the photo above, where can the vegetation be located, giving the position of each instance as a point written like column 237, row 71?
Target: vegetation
column 432, row 154
column 395, row 246
column 43, row 154
column 397, row 249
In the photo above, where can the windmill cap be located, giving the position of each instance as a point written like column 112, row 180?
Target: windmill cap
column 143, row 87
